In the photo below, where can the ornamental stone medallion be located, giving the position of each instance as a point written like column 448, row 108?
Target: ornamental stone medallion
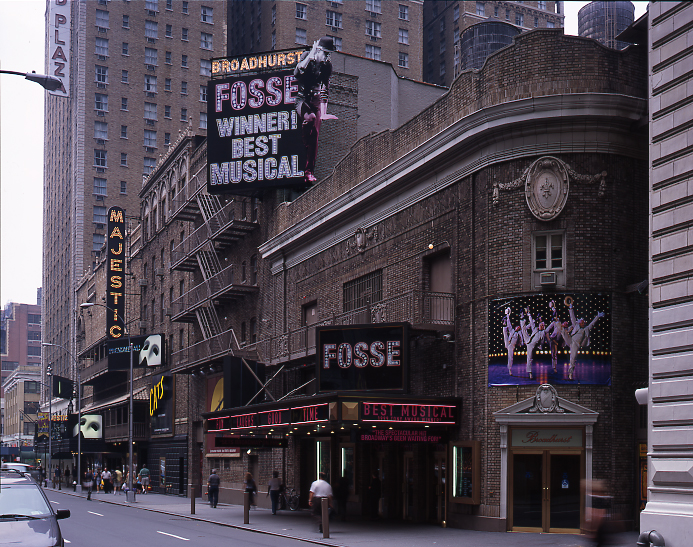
column 546, row 187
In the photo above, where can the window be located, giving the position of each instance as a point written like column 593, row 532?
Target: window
column 206, row 14
column 442, row 46
column 34, row 319
column 519, row 19
column 373, row 6
column 184, row 61
column 301, row 36
column 456, row 38
column 33, row 335
column 123, row 159
column 205, row 67
column 301, row 11
column 442, row 26
column 32, row 387
column 102, row 47
column 168, row 58
column 167, row 84
column 185, row 7
column 203, row 120
column 150, row 83
column 99, row 214
column 151, row 56
column 100, row 186
column 124, row 103
column 101, row 74
column 337, row 43
column 362, row 291
column 479, row 9
column 169, row 31
column 151, row 29
column 9, row 365
column 167, row 138
column 403, row 61
column 372, row 52
column 550, row 24
column 149, row 111
column 495, row 11
column 403, row 36
column 100, row 130
column 203, row 93
column 126, row 21
column 274, row 15
column 150, row 138
column 123, row 187
column 541, row 5
column 184, row 34
column 404, row 12
column 206, row 41
column 333, row 19
column 456, row 12
column 33, row 351
column 442, row 69
column 97, row 241
column 536, row 22
column 548, row 251
column 169, row 5
column 167, row 111
column 101, row 18
column 184, row 114
column 184, row 88
column 373, row 29
column 274, row 39
column 149, row 165
column 507, row 15
column 151, row 5
column 100, row 158
column 123, row 131
column 126, row 49
column 124, row 77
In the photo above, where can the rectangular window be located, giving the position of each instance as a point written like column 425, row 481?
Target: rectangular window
column 207, row 14
column 442, row 69
column 100, row 158
column 151, row 5
column 185, row 7
column 466, row 472
column 456, row 37
column 184, row 88
column 373, row 52
column 363, row 291
column 123, row 159
column 550, row 24
column 151, row 56
column 541, row 5
column 184, row 61
column 150, row 83
column 97, row 241
column 536, row 22
column 301, row 11
column 101, row 18
column 373, row 6
column 480, row 9
column 184, row 34
column 149, row 111
column 442, row 26
column 403, row 61
column 126, row 21
column 124, row 76
column 337, row 43
column 507, row 14
column 149, row 165
column 203, row 93
column 403, row 36
column 333, row 19
column 167, row 84
column 150, row 138
column 123, row 187
column 100, row 130
column 34, row 319
column 123, row 103
column 101, row 74
column 301, row 36
column 168, row 58
column 548, row 251
column 169, row 31
column 99, row 186
column 32, row 387
column 404, row 12
column 442, row 46
column 126, row 49
column 373, row 29
column 274, row 15
column 102, row 47
column 167, row 138
column 206, row 41
column 123, row 131
column 203, row 120
column 151, row 29
column 519, row 19
column 184, row 114
column 495, row 11
column 456, row 13
column 274, row 39
column 99, row 214
column 205, row 67
column 167, row 111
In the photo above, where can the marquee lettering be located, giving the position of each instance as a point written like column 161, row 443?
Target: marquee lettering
column 361, row 354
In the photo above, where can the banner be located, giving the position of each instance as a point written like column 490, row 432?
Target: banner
column 59, row 42
column 147, row 350
column 161, row 404
column 115, row 274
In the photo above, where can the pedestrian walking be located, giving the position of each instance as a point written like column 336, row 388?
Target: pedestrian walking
column 318, row 490
column 213, row 488
column 97, row 480
column 250, row 487
column 88, row 482
column 143, row 478
column 118, row 482
column 67, row 476
column 274, row 487
column 106, row 478
column 56, row 477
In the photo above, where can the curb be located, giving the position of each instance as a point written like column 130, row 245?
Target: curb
column 201, row 519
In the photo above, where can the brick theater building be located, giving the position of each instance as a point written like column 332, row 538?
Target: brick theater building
column 378, row 307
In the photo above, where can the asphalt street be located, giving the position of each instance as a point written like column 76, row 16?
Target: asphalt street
column 105, row 524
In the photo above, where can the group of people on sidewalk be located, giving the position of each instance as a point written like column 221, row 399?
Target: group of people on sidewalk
column 114, row 482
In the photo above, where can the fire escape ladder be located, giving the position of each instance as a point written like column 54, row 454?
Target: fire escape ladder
column 210, row 207
column 209, row 262
column 208, row 320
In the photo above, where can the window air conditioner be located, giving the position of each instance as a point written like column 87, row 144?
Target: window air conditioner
column 547, row 278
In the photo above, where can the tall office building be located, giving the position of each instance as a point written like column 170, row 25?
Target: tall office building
column 21, row 332
column 376, row 29
column 446, row 21
column 603, row 21
column 134, row 76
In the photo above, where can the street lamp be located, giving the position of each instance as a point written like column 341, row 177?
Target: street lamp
column 79, row 414
column 51, row 83
column 130, row 494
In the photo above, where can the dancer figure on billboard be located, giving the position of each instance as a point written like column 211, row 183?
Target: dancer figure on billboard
column 313, row 79
column 553, row 334
column 578, row 336
column 537, row 336
column 512, row 338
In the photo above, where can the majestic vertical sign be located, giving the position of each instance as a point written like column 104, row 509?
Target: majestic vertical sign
column 59, row 44
column 115, row 271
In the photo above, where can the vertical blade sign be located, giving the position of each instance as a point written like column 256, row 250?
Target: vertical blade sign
column 115, row 293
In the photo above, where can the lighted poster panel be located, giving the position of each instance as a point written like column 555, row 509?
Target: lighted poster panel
column 148, row 351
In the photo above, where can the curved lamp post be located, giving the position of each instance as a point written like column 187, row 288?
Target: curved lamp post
column 79, row 413
column 50, row 83
column 130, row 494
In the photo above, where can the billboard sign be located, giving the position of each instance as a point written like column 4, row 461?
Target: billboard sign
column 115, row 274
column 362, row 357
column 62, row 387
column 161, row 404
column 148, row 351
column 59, row 42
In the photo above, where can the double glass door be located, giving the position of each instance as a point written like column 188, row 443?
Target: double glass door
column 546, row 491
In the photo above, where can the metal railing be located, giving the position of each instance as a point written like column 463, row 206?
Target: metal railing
column 216, row 285
column 121, row 431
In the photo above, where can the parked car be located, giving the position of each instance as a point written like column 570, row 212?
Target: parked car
column 23, row 468
column 26, row 515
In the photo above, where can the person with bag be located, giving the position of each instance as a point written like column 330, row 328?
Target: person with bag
column 250, row 487
column 274, row 487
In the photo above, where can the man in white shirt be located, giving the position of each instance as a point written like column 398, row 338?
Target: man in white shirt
column 106, row 478
column 318, row 490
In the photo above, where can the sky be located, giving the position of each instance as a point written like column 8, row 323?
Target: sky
column 21, row 144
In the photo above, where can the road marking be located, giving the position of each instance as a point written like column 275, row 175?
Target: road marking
column 177, row 537
column 98, row 514
column 56, row 502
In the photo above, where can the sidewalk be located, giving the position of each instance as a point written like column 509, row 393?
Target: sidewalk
column 351, row 533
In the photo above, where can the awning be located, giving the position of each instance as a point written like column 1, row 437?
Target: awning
column 141, row 394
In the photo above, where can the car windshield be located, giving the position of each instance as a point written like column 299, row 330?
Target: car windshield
column 23, row 501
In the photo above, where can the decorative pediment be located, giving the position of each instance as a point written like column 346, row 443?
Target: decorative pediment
column 546, row 407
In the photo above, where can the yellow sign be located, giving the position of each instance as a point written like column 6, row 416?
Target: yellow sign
column 156, row 394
